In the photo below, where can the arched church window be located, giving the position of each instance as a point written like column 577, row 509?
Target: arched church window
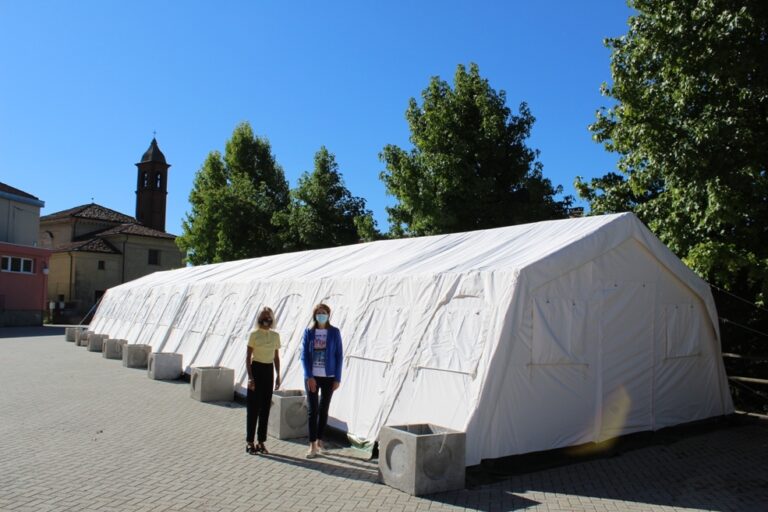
column 146, row 179
column 158, row 180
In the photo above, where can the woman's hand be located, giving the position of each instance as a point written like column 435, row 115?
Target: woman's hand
column 251, row 384
column 312, row 385
column 277, row 383
column 336, row 385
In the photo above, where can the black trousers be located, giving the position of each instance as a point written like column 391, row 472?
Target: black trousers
column 318, row 415
column 259, row 400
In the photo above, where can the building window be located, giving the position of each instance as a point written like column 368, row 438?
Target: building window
column 154, row 257
column 158, row 180
column 101, row 265
column 20, row 265
column 146, row 179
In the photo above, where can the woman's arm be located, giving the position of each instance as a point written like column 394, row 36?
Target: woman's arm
column 277, row 369
column 339, row 361
column 248, row 352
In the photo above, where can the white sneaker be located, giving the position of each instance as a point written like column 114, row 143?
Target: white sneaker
column 311, row 454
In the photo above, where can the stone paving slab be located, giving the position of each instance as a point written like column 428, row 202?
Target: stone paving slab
column 82, row 433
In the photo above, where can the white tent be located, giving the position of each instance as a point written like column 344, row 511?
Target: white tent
column 527, row 337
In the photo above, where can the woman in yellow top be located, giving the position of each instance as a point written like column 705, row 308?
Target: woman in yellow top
column 262, row 352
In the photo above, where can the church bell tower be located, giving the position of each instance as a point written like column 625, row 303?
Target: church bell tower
column 152, row 188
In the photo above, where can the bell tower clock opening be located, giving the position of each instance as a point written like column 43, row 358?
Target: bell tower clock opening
column 152, row 188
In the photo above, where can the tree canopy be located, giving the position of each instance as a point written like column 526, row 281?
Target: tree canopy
column 690, row 126
column 469, row 167
column 233, row 200
column 322, row 212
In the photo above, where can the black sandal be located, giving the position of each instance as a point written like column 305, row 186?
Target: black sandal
column 250, row 449
column 261, row 448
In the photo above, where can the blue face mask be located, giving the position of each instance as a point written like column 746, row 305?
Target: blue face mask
column 321, row 318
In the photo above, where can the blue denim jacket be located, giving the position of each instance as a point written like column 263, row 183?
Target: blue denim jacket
column 334, row 356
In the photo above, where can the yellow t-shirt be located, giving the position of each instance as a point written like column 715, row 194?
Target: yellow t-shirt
column 264, row 343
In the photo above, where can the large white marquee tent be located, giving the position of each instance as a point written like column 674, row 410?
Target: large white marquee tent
column 527, row 337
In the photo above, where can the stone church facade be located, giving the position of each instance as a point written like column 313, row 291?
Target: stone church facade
column 96, row 248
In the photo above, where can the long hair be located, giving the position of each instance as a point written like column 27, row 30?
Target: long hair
column 264, row 314
column 326, row 309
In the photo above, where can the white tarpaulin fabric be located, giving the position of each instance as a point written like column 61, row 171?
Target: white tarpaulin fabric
column 527, row 337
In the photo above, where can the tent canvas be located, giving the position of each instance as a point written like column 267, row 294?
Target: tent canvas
column 529, row 337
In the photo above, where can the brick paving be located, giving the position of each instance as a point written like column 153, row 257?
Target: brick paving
column 82, row 433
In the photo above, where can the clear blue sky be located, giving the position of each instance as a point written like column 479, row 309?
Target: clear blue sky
column 83, row 85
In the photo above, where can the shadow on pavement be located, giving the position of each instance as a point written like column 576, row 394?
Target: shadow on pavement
column 719, row 469
column 341, row 468
column 29, row 332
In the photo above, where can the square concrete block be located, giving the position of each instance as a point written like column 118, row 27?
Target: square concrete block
column 112, row 348
column 81, row 338
column 69, row 333
column 95, row 341
column 212, row 384
column 164, row 366
column 422, row 458
column 135, row 356
column 288, row 414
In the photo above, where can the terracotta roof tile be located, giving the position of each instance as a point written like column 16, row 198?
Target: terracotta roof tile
column 136, row 229
column 90, row 245
column 90, row 211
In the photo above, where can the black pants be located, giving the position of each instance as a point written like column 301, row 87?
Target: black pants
column 318, row 419
column 259, row 400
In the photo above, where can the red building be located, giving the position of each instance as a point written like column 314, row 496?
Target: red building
column 23, row 265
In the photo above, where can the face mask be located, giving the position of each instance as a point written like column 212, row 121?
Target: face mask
column 266, row 322
column 321, row 318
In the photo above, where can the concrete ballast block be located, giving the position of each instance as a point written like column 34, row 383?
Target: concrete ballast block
column 422, row 458
column 164, row 366
column 212, row 383
column 288, row 414
column 112, row 348
column 95, row 342
column 69, row 333
column 81, row 338
column 135, row 356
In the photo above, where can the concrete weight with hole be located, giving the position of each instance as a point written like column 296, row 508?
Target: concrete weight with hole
column 288, row 414
column 164, row 366
column 135, row 356
column 95, row 342
column 212, row 384
column 112, row 348
column 81, row 338
column 422, row 458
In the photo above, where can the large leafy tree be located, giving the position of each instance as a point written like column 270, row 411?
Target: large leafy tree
column 469, row 167
column 322, row 212
column 690, row 126
column 233, row 200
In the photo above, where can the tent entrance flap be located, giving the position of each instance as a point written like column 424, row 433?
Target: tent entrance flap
column 625, row 352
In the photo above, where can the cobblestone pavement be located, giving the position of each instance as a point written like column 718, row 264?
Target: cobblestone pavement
column 82, row 433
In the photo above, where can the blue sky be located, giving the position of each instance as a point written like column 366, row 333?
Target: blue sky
column 83, row 85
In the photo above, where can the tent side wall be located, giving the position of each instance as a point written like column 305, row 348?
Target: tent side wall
column 616, row 345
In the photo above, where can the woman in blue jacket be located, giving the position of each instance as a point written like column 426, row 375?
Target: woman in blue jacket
column 322, row 355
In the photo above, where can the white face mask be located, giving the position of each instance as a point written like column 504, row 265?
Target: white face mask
column 321, row 318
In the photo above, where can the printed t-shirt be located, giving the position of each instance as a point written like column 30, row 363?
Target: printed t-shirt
column 264, row 343
column 319, row 353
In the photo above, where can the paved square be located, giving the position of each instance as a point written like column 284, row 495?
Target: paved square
column 82, row 433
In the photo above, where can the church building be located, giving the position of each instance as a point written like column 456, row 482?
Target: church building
column 96, row 248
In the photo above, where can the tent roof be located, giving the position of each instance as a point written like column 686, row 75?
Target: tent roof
column 508, row 248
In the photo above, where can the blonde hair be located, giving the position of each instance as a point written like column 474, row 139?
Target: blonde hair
column 264, row 314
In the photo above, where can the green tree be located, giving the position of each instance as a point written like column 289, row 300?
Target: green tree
column 322, row 212
column 469, row 167
column 233, row 200
column 690, row 126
